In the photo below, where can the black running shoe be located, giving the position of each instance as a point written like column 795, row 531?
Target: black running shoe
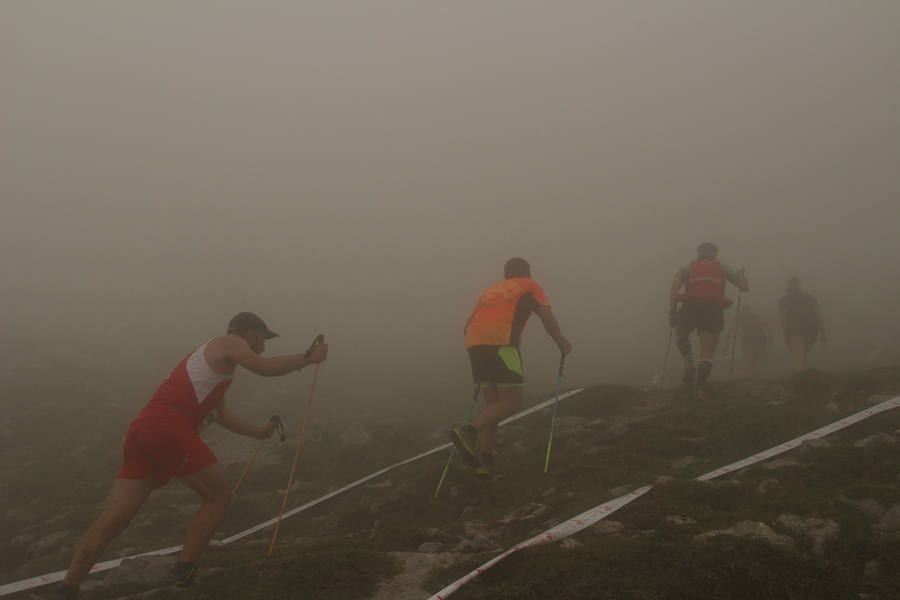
column 465, row 438
column 183, row 573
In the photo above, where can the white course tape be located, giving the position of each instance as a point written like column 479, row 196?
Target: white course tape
column 592, row 516
column 48, row 578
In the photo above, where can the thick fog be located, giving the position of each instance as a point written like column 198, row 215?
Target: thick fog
column 364, row 170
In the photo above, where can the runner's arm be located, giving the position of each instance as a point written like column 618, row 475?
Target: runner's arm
column 232, row 422
column 239, row 352
column 677, row 282
column 551, row 325
column 821, row 321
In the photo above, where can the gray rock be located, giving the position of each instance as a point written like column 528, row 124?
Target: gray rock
column 517, row 448
column 355, row 436
column 683, row 463
column 779, row 394
column 141, row 570
column 815, row 444
column 766, row 485
column 548, row 493
column 570, row 422
column 18, row 515
column 550, row 523
column 832, row 409
column 879, row 398
column 876, row 440
column 820, row 532
column 476, row 543
column 680, row 521
column 50, row 543
column 467, row 510
column 605, row 527
column 869, row 507
column 570, row 544
column 873, row 569
column 890, row 521
column 21, row 541
column 431, row 547
column 529, row 511
column 381, row 484
column 752, row 530
column 664, row 479
column 780, row 463
column 621, row 490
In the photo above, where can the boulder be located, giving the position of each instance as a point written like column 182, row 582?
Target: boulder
column 680, row 521
column 523, row 513
column 780, row 463
column 431, row 547
column 142, row 570
column 876, row 440
column 570, row 544
column 605, row 527
column 50, row 544
column 355, row 436
column 766, row 485
column 819, row 532
column 890, row 521
column 683, row 463
column 751, row 530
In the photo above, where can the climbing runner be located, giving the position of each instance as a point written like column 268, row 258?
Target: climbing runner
column 703, row 303
column 162, row 443
column 801, row 321
column 492, row 335
column 754, row 340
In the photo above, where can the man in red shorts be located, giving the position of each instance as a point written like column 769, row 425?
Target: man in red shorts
column 163, row 442
column 493, row 333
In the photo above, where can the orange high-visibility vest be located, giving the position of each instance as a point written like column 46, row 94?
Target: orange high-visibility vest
column 706, row 283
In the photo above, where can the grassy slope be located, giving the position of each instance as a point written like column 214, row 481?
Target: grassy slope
column 632, row 439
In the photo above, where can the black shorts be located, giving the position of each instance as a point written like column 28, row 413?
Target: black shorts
column 702, row 316
column 496, row 366
column 807, row 331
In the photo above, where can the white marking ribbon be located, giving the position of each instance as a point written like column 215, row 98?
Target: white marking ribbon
column 48, row 578
column 594, row 515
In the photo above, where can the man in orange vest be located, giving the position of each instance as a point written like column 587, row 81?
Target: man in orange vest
column 493, row 333
column 703, row 303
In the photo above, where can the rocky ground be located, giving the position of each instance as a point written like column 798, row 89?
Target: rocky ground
column 822, row 521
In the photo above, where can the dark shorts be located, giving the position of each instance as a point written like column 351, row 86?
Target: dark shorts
column 496, row 366
column 754, row 342
column 158, row 448
column 807, row 331
column 702, row 316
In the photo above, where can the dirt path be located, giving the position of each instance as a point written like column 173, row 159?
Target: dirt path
column 416, row 566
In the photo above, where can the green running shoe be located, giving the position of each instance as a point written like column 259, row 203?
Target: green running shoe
column 183, row 573
column 465, row 438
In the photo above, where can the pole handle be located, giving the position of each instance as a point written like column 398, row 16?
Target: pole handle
column 320, row 339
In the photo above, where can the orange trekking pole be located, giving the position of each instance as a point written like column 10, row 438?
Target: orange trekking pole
column 287, row 490
column 279, row 427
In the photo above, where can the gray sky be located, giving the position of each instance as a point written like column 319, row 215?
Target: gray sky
column 364, row 170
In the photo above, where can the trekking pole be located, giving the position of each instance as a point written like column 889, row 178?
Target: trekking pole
column 562, row 362
column 452, row 447
column 309, row 400
column 737, row 322
column 279, row 427
column 662, row 376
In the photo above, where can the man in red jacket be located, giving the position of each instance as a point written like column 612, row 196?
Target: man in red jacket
column 163, row 442
column 703, row 303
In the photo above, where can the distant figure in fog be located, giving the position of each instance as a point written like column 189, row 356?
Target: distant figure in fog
column 163, row 443
column 700, row 288
column 755, row 340
column 801, row 321
column 493, row 333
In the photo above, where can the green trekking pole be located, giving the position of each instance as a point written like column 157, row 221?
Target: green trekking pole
column 662, row 376
column 453, row 448
column 737, row 322
column 562, row 363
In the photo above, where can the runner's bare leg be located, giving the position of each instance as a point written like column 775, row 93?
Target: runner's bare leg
column 488, row 435
column 125, row 499
column 215, row 492
column 509, row 400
